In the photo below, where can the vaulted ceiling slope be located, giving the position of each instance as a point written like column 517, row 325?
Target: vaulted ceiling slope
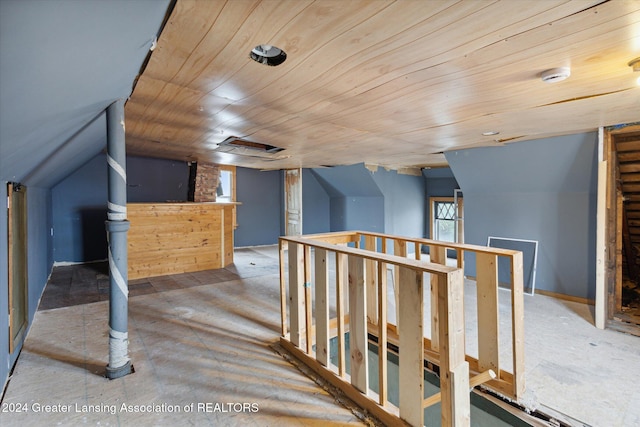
column 62, row 62
column 392, row 83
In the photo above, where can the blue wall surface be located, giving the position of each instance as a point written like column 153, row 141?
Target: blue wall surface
column 259, row 214
column 4, row 288
column 542, row 190
column 404, row 204
column 80, row 200
column 316, row 205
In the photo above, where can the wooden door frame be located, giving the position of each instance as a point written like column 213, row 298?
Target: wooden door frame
column 609, row 223
column 15, row 337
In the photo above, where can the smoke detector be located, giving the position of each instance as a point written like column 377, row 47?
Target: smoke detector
column 555, row 74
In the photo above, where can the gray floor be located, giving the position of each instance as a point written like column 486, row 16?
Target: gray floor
column 203, row 338
column 194, row 339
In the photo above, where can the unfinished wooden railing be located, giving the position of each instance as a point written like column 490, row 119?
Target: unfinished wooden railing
column 510, row 384
column 307, row 331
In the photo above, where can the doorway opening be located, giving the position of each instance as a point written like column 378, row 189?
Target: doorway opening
column 622, row 152
column 18, row 279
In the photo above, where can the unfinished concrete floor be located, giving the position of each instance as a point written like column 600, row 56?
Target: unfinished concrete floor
column 201, row 338
column 204, row 338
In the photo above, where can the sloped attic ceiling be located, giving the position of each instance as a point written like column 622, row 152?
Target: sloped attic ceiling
column 393, row 83
column 62, row 62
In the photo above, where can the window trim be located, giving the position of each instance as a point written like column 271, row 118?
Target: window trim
column 432, row 214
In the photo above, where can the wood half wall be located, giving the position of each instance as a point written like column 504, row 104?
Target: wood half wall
column 171, row 238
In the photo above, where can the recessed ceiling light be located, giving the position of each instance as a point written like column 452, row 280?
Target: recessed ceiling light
column 490, row 133
column 555, row 74
column 268, row 55
column 635, row 64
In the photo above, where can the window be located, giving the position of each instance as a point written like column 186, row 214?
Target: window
column 226, row 191
column 445, row 225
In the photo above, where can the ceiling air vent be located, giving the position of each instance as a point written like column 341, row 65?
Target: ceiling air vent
column 242, row 147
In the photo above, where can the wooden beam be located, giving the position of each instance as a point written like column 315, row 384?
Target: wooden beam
column 283, row 288
column 296, row 292
column 358, row 325
column 371, row 277
column 382, row 334
column 473, row 382
column 411, row 364
column 452, row 348
column 601, row 222
column 322, row 306
column 488, row 312
column 437, row 255
column 341, row 284
column 399, row 249
column 517, row 324
column 307, row 299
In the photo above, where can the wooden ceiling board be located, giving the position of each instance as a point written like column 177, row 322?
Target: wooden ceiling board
column 393, row 83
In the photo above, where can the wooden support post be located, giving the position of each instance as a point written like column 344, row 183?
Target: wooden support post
column 307, row 299
column 399, row 249
column 358, row 324
column 517, row 318
column 416, row 250
column 460, row 399
column 283, row 289
column 341, row 282
column 296, row 292
column 488, row 310
column 437, row 255
column 411, row 355
column 322, row 306
column 452, row 351
column 371, row 277
column 382, row 333
column 601, row 245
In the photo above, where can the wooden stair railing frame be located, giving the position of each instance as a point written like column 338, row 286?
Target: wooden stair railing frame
column 350, row 267
column 372, row 277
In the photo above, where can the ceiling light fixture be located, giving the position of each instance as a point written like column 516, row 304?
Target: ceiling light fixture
column 268, row 55
column 555, row 74
column 635, row 64
column 490, row 133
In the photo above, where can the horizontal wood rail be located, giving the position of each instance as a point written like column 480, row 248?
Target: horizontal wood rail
column 360, row 276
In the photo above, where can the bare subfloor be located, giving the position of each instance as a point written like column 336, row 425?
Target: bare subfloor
column 200, row 346
column 204, row 339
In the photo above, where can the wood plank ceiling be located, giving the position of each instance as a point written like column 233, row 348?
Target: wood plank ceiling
column 391, row 83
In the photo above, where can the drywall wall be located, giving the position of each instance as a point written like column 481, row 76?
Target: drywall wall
column 356, row 202
column 404, row 204
column 79, row 202
column 259, row 214
column 4, row 288
column 316, row 205
column 542, row 190
column 357, row 213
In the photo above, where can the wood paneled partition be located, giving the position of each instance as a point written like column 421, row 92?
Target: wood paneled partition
column 169, row 238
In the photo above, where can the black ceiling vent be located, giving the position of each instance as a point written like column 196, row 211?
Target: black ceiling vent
column 268, row 55
column 242, row 147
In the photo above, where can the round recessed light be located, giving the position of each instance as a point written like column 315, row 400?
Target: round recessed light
column 490, row 133
column 555, row 74
column 635, row 64
column 268, row 55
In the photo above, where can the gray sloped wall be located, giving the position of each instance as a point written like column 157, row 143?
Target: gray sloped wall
column 542, row 190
